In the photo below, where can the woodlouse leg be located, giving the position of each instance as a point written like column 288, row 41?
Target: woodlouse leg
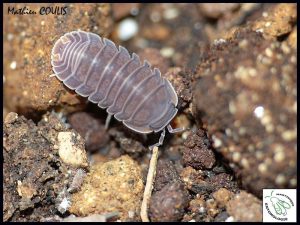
column 173, row 131
column 108, row 118
column 160, row 141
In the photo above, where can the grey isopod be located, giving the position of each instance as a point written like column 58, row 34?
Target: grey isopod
column 95, row 68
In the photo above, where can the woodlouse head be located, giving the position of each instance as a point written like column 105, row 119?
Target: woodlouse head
column 59, row 47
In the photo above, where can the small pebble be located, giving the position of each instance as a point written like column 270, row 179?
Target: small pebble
column 13, row 65
column 165, row 173
column 259, row 112
column 169, row 203
column 167, row 52
column 230, row 219
column 127, row 29
column 10, row 37
column 222, row 196
column 245, row 207
column 198, row 151
column 11, row 117
column 71, row 150
column 170, row 13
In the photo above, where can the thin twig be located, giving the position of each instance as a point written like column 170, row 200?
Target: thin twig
column 149, row 185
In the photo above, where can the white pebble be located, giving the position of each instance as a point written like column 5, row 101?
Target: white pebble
column 216, row 142
column 261, row 30
column 167, row 52
column 219, row 41
column 13, row 65
column 268, row 24
column 70, row 153
column 170, row 13
column 280, row 179
column 64, row 205
column 293, row 182
column 127, row 29
column 202, row 209
column 230, row 219
column 259, row 111
column 236, row 156
column 10, row 37
column 131, row 214
column 265, row 14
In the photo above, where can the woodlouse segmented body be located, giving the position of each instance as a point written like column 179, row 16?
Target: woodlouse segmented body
column 95, row 68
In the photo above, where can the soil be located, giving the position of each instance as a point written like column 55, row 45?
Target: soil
column 233, row 67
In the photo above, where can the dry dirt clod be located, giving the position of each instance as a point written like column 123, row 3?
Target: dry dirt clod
column 33, row 172
column 198, row 205
column 245, row 207
column 193, row 179
column 11, row 117
column 169, row 203
column 165, row 173
column 198, row 151
column 28, row 41
column 181, row 82
column 251, row 121
column 222, row 196
column 71, row 149
column 279, row 21
column 112, row 186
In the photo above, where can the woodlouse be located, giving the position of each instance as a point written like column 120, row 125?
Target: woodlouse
column 77, row 180
column 131, row 91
